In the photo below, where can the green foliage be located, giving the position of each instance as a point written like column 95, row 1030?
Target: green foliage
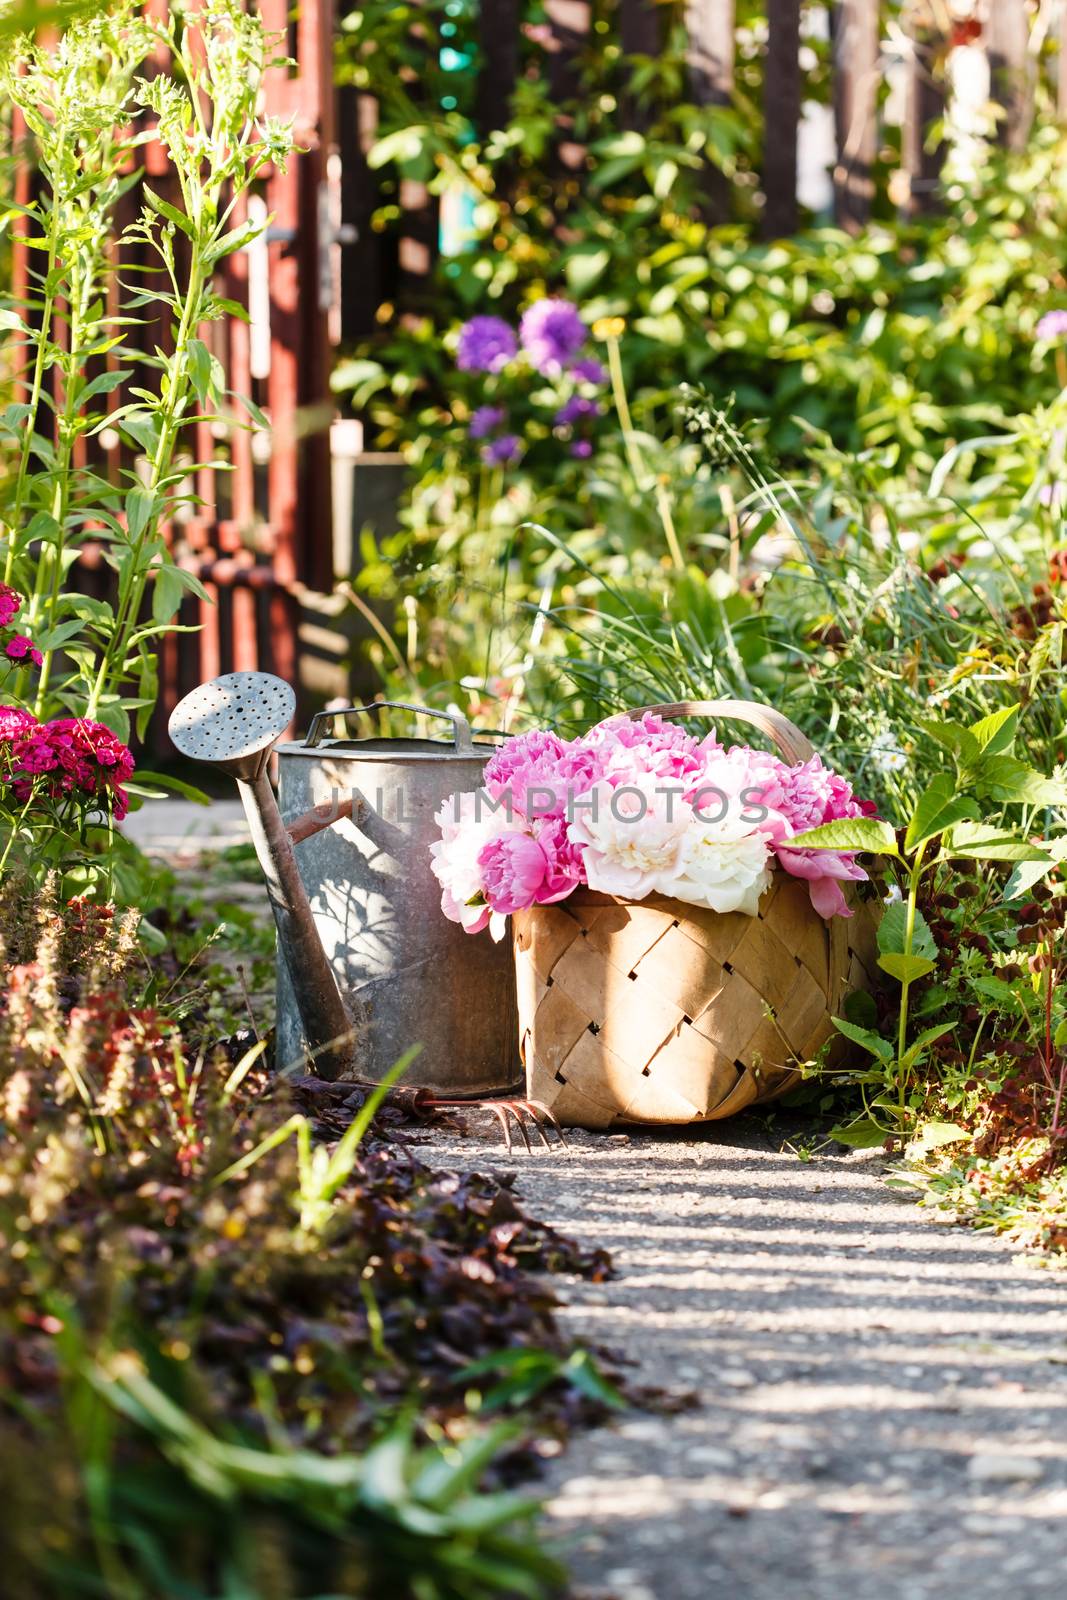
column 81, row 97
column 910, row 336
column 218, row 1391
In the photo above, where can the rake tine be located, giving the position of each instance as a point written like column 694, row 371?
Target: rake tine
column 498, row 1112
column 513, row 1107
column 551, row 1118
column 525, row 1109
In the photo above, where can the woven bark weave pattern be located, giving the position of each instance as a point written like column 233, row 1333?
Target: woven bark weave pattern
column 657, row 1011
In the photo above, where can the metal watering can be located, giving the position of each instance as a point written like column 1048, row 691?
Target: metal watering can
column 369, row 965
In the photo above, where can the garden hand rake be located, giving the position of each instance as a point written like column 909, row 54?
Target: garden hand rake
column 233, row 723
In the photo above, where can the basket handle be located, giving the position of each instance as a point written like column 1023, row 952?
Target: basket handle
column 785, row 735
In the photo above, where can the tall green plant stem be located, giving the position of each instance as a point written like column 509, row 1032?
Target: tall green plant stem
column 643, row 478
column 42, row 339
column 50, row 566
column 135, row 577
column 914, row 876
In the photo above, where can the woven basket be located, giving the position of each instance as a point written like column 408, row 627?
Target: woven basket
column 658, row 1011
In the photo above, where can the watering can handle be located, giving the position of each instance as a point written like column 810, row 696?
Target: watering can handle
column 461, row 728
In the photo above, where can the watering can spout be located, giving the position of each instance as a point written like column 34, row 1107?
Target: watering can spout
column 233, row 723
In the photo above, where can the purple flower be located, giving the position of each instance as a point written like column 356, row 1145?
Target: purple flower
column 486, row 344
column 582, row 449
column 500, row 452
column 574, row 409
column 1053, row 325
column 551, row 332
column 588, row 370
column 485, row 420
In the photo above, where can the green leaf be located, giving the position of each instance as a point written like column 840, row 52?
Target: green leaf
column 105, row 383
column 1004, row 778
column 140, row 505
column 236, row 239
column 171, row 213
column 405, row 145
column 978, row 842
column 938, row 808
column 1023, row 878
column 863, row 1134
column 892, row 932
column 996, row 733
column 204, row 370
column 952, row 736
column 927, row 1037
column 167, row 592
column 866, row 1037
column 906, row 969
column 869, row 834
column 585, row 264
column 934, row 1135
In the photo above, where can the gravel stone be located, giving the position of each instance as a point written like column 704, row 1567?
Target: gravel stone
column 995, row 1468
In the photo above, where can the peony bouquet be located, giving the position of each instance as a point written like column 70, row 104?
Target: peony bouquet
column 633, row 808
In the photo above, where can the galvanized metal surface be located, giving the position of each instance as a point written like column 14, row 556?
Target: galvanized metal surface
column 407, row 975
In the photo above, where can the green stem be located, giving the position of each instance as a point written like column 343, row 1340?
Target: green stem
column 905, row 984
column 51, row 562
column 15, row 827
column 643, row 478
column 42, row 340
column 136, row 577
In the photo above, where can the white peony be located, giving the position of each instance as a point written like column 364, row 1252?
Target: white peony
column 629, row 836
column 722, row 865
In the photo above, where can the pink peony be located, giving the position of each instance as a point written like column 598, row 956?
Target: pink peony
column 513, row 870
column 812, row 795
column 633, row 807
column 646, row 746
column 563, row 861
column 823, row 869
column 541, row 773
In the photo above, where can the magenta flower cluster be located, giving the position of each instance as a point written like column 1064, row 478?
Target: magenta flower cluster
column 70, row 758
column 18, row 648
column 635, row 807
column 552, row 340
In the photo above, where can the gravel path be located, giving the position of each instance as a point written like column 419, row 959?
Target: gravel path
column 879, row 1401
column 875, row 1402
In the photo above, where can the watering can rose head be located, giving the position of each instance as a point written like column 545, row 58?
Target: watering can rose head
column 635, row 807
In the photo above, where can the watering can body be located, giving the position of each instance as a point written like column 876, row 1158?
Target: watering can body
column 405, row 973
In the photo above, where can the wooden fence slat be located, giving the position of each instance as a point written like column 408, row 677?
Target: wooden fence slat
column 498, row 35
column 923, row 161
column 781, row 118
column 569, row 22
column 856, row 51
column 1007, row 37
column 639, row 35
column 362, row 266
column 711, row 48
